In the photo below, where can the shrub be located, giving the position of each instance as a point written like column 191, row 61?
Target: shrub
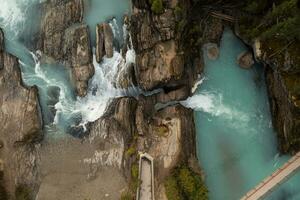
column 157, row 6
column 184, row 184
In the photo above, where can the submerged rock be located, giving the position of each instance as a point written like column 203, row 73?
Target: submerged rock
column 20, row 126
column 212, row 51
column 104, row 41
column 245, row 60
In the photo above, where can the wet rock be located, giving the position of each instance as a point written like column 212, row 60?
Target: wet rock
column 78, row 55
column 176, row 94
column 212, row 51
column 20, row 126
column 104, row 41
column 53, row 98
column 64, row 39
column 126, row 77
column 245, row 60
column 285, row 109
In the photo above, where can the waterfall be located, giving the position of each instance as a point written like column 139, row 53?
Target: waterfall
column 13, row 15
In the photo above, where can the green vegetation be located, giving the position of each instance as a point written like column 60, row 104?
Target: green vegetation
column 130, row 151
column 157, row 6
column 135, row 177
column 184, row 184
column 126, row 196
column 23, row 192
column 279, row 19
column 161, row 130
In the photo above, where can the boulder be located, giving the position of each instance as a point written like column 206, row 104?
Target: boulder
column 104, row 41
column 245, row 60
column 212, row 51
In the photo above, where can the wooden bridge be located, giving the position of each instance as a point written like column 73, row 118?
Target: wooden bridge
column 271, row 182
column 222, row 16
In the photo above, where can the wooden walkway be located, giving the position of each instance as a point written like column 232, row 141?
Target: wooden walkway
column 222, row 16
column 275, row 179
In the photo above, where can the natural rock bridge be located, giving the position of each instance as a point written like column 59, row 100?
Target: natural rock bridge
column 279, row 176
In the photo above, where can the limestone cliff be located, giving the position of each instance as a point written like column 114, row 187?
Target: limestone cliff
column 20, row 124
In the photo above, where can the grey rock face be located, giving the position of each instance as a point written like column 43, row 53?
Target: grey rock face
column 104, row 41
column 78, row 56
column 113, row 131
column 65, row 39
column 20, row 126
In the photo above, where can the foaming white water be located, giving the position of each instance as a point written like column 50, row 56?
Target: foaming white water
column 12, row 14
column 213, row 104
column 115, row 28
column 65, row 105
column 101, row 89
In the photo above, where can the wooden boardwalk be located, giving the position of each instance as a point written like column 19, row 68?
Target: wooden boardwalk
column 279, row 176
column 222, row 16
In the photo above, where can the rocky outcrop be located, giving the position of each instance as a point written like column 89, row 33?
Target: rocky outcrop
column 245, row 60
column 63, row 38
column 113, row 132
column 282, row 77
column 130, row 126
column 159, row 66
column 78, row 55
column 168, row 135
column 104, row 41
column 20, row 127
column 159, row 60
column 58, row 16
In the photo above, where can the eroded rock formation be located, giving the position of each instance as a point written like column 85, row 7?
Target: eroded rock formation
column 20, row 124
column 104, row 41
column 63, row 38
column 160, row 62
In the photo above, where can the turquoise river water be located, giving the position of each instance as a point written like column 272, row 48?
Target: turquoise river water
column 236, row 142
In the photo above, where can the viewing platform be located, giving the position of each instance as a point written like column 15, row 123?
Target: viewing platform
column 146, row 176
